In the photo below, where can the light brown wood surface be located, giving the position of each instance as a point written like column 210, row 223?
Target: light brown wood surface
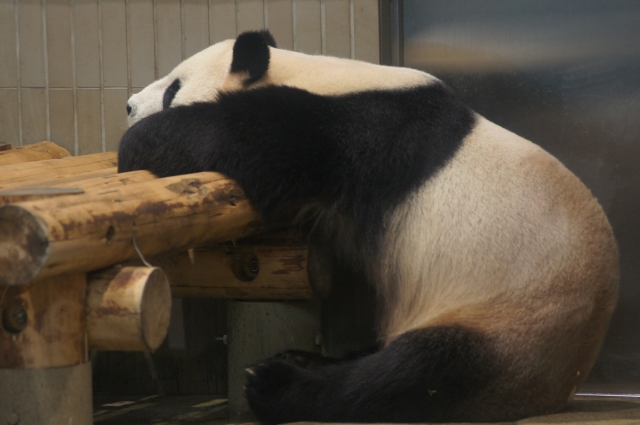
column 264, row 268
column 81, row 233
column 54, row 169
column 74, row 185
column 69, row 181
column 35, row 152
column 128, row 308
column 55, row 330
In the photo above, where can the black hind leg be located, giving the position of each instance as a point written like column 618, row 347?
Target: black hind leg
column 424, row 375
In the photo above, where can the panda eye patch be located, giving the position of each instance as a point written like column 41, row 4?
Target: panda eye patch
column 170, row 93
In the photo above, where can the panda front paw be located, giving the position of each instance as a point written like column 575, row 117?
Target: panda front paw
column 271, row 390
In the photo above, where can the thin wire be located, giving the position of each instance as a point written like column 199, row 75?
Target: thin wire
column 135, row 245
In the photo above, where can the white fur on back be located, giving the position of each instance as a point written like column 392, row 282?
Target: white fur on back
column 495, row 223
column 206, row 74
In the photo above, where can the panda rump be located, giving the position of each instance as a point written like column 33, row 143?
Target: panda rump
column 495, row 268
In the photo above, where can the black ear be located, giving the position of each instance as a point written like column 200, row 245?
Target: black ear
column 251, row 54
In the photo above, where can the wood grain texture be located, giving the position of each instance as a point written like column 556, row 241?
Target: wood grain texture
column 54, row 169
column 54, row 335
column 221, row 271
column 43, row 238
column 35, row 152
column 128, row 308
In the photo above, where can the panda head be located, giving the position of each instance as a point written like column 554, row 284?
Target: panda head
column 252, row 60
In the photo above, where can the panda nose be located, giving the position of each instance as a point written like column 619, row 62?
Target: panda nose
column 128, row 109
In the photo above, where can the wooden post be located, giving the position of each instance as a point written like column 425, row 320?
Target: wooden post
column 44, row 373
column 128, row 308
column 34, row 152
column 44, row 237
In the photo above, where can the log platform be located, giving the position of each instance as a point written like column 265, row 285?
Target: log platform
column 76, row 239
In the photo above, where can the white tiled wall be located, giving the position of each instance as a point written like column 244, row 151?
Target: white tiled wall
column 67, row 67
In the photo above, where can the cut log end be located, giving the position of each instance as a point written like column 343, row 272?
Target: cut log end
column 156, row 309
column 128, row 308
column 24, row 246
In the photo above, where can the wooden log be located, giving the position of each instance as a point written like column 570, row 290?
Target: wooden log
column 69, row 181
column 272, row 267
column 35, row 152
column 75, row 187
column 53, row 169
column 5, row 147
column 12, row 196
column 43, row 323
column 81, row 233
column 128, row 308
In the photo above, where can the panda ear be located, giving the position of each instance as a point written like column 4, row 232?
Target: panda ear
column 251, row 54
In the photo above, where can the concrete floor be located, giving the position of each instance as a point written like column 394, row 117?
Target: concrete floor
column 208, row 410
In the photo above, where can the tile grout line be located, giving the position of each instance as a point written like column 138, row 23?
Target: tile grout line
column 182, row 36
column 265, row 14
column 18, row 70
column 74, row 75
column 128, row 38
column 46, row 68
column 352, row 29
column 101, row 59
column 294, row 24
column 323, row 27
column 156, row 65
column 210, row 8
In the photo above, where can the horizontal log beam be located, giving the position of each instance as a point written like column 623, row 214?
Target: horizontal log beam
column 54, row 169
column 69, row 181
column 75, row 187
column 128, row 308
column 81, row 233
column 264, row 268
column 35, row 152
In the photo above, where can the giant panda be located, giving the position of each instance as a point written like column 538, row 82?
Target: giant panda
column 495, row 267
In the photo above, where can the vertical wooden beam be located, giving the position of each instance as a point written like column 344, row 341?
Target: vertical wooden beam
column 44, row 373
